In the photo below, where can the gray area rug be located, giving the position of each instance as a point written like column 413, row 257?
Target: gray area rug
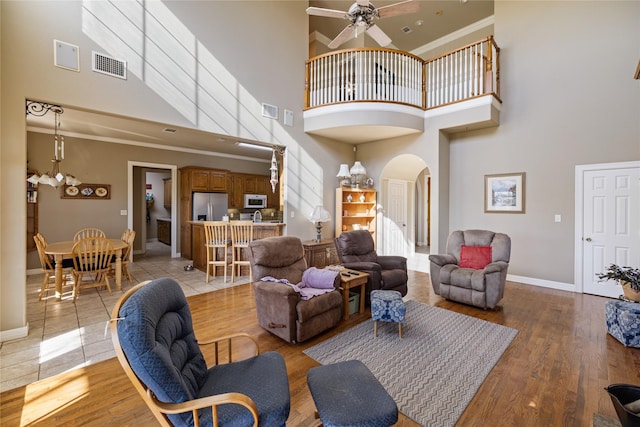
column 434, row 371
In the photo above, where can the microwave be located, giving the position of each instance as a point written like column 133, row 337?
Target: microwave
column 255, row 201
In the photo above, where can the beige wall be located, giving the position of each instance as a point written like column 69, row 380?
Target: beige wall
column 225, row 72
column 569, row 99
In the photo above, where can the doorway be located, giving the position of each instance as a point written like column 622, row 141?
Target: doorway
column 607, row 223
column 137, row 202
column 403, row 210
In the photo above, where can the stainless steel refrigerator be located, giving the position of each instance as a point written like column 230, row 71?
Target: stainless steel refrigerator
column 209, row 206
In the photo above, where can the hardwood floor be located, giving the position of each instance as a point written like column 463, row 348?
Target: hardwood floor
column 553, row 373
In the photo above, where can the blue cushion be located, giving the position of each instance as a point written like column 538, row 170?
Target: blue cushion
column 348, row 394
column 263, row 378
column 156, row 334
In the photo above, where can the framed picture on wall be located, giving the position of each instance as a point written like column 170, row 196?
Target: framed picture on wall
column 504, row 193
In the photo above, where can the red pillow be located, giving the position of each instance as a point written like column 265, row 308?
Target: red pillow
column 476, row 257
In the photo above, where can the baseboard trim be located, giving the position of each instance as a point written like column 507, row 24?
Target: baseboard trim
column 14, row 334
column 542, row 283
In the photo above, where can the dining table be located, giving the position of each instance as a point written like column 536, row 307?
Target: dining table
column 64, row 250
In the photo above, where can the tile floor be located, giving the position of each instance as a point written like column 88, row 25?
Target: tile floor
column 63, row 335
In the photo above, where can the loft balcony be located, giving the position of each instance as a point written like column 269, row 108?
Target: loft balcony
column 369, row 94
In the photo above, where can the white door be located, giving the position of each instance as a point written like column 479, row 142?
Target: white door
column 396, row 241
column 610, row 226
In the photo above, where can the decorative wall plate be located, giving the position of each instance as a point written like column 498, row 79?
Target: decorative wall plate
column 71, row 191
column 101, row 191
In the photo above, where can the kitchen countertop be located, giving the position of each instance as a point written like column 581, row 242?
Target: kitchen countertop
column 255, row 224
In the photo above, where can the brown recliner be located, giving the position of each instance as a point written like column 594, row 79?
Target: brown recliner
column 480, row 286
column 388, row 272
column 280, row 308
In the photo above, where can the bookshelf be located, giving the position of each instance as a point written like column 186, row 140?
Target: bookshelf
column 355, row 209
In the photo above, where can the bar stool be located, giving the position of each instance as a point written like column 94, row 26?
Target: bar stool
column 216, row 240
column 241, row 236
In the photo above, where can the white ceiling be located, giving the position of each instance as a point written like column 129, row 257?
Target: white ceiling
column 440, row 18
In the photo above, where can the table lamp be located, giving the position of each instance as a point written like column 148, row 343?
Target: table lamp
column 319, row 216
column 358, row 172
column 344, row 175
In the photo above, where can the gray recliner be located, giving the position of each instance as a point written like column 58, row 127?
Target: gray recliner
column 280, row 309
column 480, row 287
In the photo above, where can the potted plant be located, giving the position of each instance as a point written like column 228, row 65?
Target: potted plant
column 628, row 277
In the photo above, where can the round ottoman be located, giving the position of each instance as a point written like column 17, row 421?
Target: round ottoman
column 387, row 306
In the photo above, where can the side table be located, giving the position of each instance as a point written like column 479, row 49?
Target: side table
column 350, row 279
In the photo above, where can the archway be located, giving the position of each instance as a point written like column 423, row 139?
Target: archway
column 404, row 206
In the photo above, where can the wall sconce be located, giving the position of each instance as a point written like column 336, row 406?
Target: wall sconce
column 358, row 172
column 319, row 216
column 344, row 175
column 54, row 178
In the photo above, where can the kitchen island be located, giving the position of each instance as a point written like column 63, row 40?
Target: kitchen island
column 261, row 230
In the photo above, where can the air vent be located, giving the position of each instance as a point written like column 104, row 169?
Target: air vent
column 270, row 111
column 110, row 66
column 406, row 30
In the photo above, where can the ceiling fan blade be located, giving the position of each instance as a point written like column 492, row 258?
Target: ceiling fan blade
column 342, row 37
column 378, row 35
column 363, row 3
column 329, row 13
column 408, row 6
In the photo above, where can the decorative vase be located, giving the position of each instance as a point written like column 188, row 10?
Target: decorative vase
column 349, row 198
column 362, row 198
column 629, row 292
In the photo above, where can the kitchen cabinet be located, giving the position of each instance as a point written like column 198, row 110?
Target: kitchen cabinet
column 208, row 179
column 167, row 193
column 320, row 254
column 164, row 231
column 236, row 191
column 240, row 184
column 32, row 212
column 355, row 210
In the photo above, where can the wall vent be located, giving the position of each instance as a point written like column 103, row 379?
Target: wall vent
column 406, row 30
column 270, row 111
column 106, row 65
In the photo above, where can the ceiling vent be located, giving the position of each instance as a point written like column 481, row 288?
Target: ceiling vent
column 406, row 30
column 106, row 65
column 270, row 111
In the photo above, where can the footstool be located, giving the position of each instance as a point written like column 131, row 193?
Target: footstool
column 347, row 394
column 623, row 322
column 387, row 306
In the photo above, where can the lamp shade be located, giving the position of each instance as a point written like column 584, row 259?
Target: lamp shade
column 344, row 171
column 320, row 214
column 358, row 169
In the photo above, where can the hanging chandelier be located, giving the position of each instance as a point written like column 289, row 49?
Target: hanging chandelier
column 274, row 167
column 54, row 178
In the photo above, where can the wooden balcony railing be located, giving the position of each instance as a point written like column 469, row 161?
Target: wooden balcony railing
column 387, row 75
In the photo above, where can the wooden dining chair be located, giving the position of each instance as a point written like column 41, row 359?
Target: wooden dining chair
column 88, row 232
column 128, row 236
column 92, row 256
column 241, row 236
column 216, row 243
column 48, row 268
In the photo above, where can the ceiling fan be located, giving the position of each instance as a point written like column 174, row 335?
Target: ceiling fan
column 362, row 15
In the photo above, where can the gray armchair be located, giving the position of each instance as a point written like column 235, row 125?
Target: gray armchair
column 356, row 251
column 470, row 282
column 280, row 308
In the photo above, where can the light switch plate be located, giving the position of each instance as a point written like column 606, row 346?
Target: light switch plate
column 558, row 218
